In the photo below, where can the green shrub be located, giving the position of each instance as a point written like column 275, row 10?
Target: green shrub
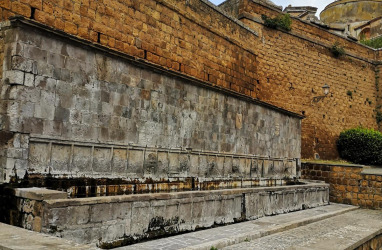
column 282, row 21
column 361, row 145
column 375, row 43
column 337, row 50
column 378, row 117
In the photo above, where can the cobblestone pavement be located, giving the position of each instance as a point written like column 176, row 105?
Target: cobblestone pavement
column 235, row 233
column 344, row 231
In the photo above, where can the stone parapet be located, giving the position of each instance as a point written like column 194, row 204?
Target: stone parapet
column 348, row 183
column 119, row 220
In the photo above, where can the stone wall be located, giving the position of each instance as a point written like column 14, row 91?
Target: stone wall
column 195, row 38
column 348, row 184
column 77, row 111
column 375, row 243
column 121, row 220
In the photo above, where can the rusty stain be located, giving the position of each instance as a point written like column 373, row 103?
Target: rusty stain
column 90, row 187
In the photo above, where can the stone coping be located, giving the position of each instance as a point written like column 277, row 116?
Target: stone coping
column 372, row 171
column 333, row 164
column 176, row 195
column 39, row 194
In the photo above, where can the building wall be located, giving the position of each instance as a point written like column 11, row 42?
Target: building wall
column 347, row 11
column 77, row 111
column 294, row 67
column 196, row 39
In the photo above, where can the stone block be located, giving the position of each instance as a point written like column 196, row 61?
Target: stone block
column 119, row 164
column 102, row 160
column 121, row 211
column 61, row 114
column 78, row 215
column 30, row 95
column 14, row 77
column 39, row 158
column 39, row 194
column 22, row 64
column 60, row 160
column 81, row 160
column 203, row 166
column 174, row 165
column 113, row 232
column 27, row 109
column 228, row 166
column 194, row 165
column 101, row 212
column 15, row 153
column 141, row 217
column 44, row 111
column 135, row 165
column 150, row 165
column 37, row 224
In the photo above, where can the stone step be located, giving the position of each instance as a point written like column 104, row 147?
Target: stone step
column 224, row 236
column 12, row 238
column 352, row 230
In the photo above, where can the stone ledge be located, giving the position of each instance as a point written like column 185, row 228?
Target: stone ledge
column 59, row 202
column 332, row 164
column 39, row 194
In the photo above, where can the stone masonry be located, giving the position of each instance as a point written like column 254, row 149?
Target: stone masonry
column 120, row 220
column 235, row 52
column 348, row 183
column 75, row 111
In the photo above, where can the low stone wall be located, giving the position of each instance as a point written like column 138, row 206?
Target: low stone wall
column 348, row 184
column 121, row 220
column 375, row 243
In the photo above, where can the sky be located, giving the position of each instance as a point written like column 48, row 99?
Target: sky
column 320, row 4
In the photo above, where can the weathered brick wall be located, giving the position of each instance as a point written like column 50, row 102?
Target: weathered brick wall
column 295, row 67
column 375, row 243
column 347, row 184
column 187, row 37
column 87, row 113
column 286, row 69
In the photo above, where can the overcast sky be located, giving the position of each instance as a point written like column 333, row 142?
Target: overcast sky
column 320, row 4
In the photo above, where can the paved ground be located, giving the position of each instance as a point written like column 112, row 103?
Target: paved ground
column 18, row 238
column 228, row 235
column 331, row 227
column 344, row 231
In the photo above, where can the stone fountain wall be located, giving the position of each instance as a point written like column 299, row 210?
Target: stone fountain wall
column 73, row 109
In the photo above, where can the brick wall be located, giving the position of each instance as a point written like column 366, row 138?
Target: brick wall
column 292, row 68
column 191, row 37
column 348, row 184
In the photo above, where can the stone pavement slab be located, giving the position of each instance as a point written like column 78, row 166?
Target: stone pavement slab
column 346, row 231
column 12, row 237
column 232, row 234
